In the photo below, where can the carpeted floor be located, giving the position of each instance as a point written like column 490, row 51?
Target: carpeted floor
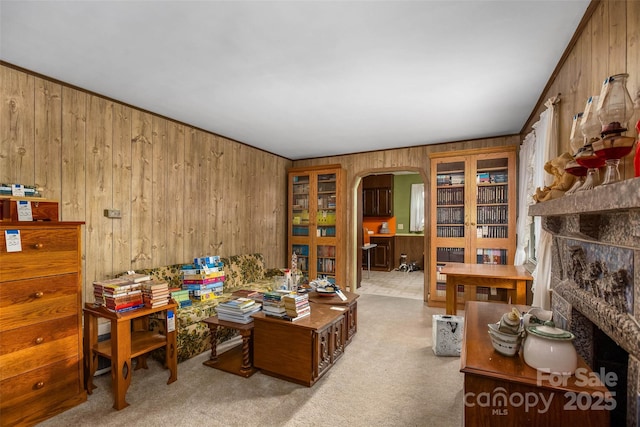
column 393, row 284
column 388, row 376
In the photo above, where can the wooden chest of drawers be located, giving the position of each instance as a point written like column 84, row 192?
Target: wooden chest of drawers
column 41, row 369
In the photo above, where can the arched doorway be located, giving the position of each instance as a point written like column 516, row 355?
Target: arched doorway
column 404, row 177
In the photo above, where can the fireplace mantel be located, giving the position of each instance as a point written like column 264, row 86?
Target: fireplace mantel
column 595, row 271
column 616, row 197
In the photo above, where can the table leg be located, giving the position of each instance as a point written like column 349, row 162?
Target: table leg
column 521, row 292
column 246, row 352
column 214, row 343
column 368, row 263
column 452, row 303
column 90, row 358
column 121, row 370
column 171, row 358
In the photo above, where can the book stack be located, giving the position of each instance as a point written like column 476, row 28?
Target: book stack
column 238, row 310
column 100, row 285
column 120, row 295
column 273, row 304
column 296, row 306
column 155, row 293
column 204, row 279
column 181, row 298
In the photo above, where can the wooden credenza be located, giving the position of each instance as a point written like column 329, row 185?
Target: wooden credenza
column 505, row 391
column 41, row 369
column 300, row 351
column 350, row 306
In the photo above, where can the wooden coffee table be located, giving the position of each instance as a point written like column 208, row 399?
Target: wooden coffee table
column 237, row 360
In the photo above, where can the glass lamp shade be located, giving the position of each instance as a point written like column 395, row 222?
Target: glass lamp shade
column 615, row 106
column 589, row 124
column 576, row 139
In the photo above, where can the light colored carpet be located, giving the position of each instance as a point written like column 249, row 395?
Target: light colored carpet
column 388, row 376
column 393, row 284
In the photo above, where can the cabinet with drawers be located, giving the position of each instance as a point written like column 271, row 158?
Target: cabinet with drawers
column 41, row 369
column 300, row 351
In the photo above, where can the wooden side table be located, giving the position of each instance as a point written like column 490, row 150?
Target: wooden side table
column 237, row 360
column 130, row 338
column 511, row 277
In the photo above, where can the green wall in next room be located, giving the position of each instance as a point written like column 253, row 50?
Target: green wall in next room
column 402, row 199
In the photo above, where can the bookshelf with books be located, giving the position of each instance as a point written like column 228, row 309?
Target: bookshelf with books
column 316, row 221
column 471, row 218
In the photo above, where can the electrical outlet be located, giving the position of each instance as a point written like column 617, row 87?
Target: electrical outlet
column 112, row 213
column 400, row 226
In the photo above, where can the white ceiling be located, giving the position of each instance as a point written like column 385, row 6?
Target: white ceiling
column 305, row 78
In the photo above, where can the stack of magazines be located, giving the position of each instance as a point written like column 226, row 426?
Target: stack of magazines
column 238, row 310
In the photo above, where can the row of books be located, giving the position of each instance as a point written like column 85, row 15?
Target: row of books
column 493, row 231
column 450, row 196
column 449, row 254
column 450, row 215
column 491, row 256
column 496, row 194
column 451, row 179
column 493, row 214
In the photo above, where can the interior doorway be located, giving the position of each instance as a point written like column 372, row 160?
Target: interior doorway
column 406, row 238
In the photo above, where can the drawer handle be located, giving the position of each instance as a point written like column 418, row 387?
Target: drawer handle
column 39, row 385
column 38, row 246
column 39, row 340
column 39, row 294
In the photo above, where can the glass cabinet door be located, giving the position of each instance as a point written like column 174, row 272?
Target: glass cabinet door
column 450, row 202
column 300, row 205
column 492, row 208
column 326, row 209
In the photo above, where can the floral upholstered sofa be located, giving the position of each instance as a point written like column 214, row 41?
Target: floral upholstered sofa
column 245, row 271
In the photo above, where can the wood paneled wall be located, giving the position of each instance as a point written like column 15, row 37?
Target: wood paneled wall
column 608, row 44
column 182, row 192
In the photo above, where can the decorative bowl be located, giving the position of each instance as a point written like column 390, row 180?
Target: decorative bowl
column 503, row 336
column 503, row 347
column 550, row 349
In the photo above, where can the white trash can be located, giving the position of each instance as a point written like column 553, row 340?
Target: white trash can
column 447, row 335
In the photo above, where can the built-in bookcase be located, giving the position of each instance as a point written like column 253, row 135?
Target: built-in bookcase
column 316, row 222
column 472, row 220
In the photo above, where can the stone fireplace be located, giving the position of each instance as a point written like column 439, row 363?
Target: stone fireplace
column 595, row 282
